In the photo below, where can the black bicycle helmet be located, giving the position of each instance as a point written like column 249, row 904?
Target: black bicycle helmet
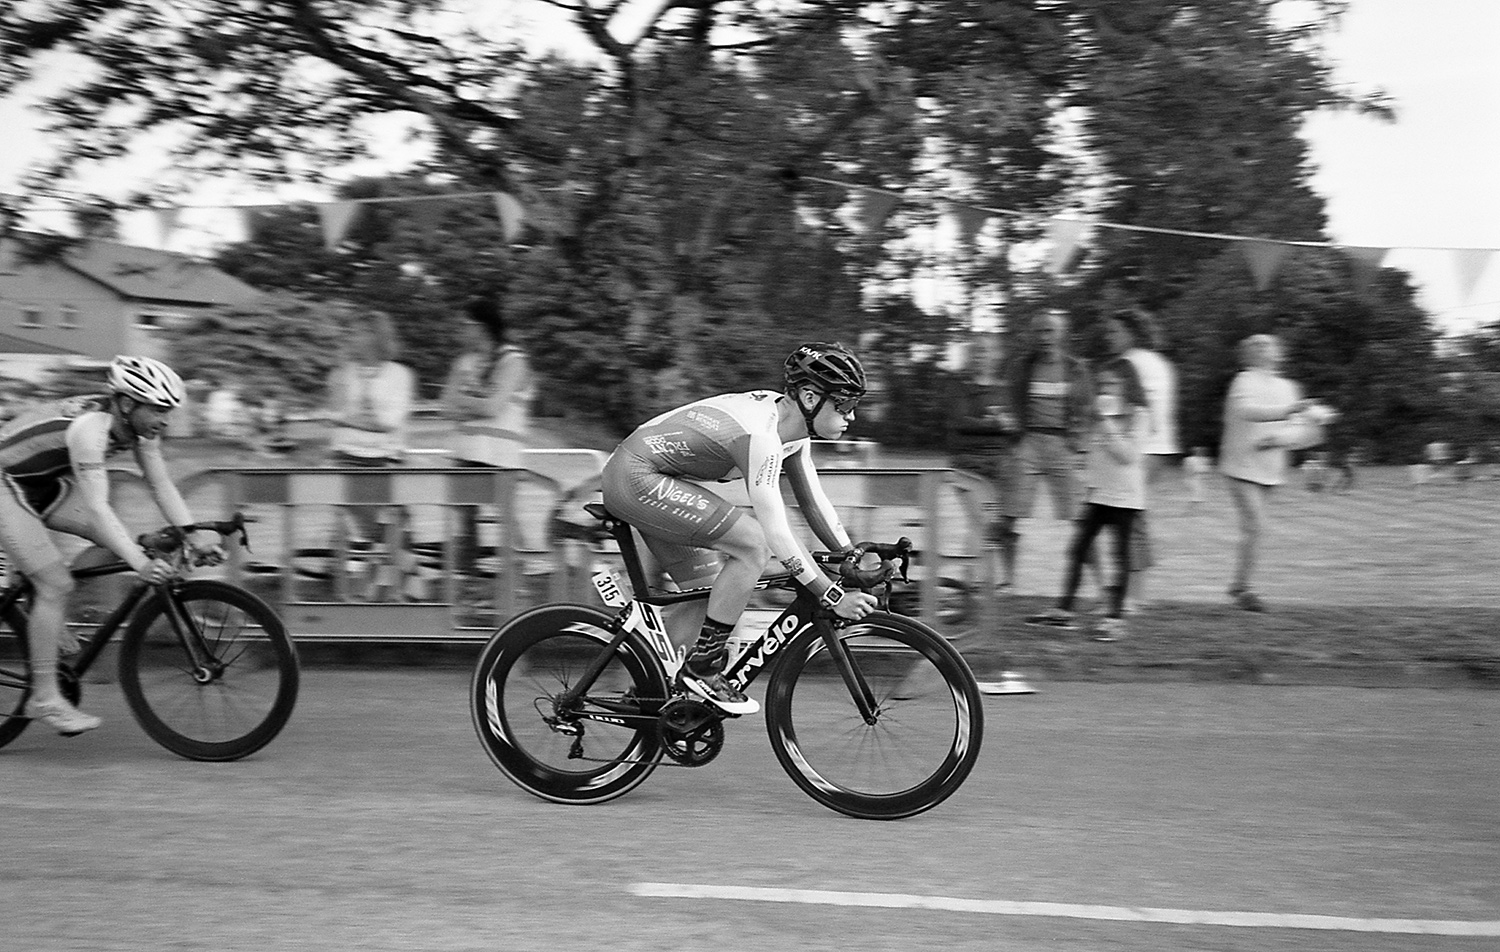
column 827, row 368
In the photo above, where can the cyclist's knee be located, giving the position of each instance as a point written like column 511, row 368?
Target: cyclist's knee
column 745, row 542
column 54, row 582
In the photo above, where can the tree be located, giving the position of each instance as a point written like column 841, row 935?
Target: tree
column 284, row 347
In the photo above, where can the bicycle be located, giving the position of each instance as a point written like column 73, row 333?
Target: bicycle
column 207, row 668
column 876, row 719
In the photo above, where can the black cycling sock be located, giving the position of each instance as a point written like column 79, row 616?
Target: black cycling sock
column 711, row 649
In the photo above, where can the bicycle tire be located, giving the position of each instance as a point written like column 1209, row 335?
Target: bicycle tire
column 242, row 708
column 928, row 728
column 520, row 673
column 15, row 675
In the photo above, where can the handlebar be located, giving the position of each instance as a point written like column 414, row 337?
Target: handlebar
column 169, row 539
column 895, row 560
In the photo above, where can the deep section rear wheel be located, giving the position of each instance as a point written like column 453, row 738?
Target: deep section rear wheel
column 15, row 675
column 915, row 751
column 590, row 749
column 229, row 708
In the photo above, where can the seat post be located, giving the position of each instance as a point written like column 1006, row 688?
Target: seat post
column 625, row 538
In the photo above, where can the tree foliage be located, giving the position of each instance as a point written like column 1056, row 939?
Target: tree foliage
column 682, row 237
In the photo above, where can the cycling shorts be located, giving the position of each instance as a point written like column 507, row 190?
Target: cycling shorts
column 30, row 511
column 679, row 520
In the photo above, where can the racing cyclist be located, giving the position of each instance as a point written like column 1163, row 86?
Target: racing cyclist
column 751, row 437
column 54, row 478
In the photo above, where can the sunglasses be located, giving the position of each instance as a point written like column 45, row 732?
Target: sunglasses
column 845, row 405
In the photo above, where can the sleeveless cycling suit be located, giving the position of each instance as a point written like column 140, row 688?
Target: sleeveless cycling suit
column 645, row 481
column 36, row 470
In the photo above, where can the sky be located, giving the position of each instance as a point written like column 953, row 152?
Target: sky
column 1423, row 186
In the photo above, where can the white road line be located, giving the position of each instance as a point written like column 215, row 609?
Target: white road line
column 1000, row 907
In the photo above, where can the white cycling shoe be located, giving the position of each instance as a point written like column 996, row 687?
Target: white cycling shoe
column 718, row 692
column 61, row 716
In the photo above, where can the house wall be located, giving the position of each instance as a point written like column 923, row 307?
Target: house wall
column 55, row 306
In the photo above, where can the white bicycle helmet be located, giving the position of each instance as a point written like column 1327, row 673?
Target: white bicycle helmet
column 147, row 380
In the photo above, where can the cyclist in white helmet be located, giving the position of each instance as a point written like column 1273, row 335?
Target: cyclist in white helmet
column 53, row 477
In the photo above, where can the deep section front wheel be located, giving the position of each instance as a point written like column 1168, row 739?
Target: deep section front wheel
column 920, row 741
column 554, row 742
column 232, row 704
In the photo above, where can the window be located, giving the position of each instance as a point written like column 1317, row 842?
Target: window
column 67, row 316
column 156, row 320
column 31, row 316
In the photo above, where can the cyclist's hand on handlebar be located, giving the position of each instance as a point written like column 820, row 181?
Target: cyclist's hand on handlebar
column 855, row 605
column 156, row 571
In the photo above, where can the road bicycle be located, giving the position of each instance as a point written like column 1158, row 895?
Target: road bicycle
column 876, row 719
column 207, row 668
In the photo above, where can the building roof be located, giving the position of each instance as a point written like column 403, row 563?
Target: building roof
column 149, row 274
column 10, row 344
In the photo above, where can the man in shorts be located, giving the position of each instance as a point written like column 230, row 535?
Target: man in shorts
column 53, row 478
column 1049, row 394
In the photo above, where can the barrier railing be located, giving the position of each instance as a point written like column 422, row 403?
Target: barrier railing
column 444, row 554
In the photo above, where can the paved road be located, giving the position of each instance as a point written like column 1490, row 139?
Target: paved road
column 376, row 823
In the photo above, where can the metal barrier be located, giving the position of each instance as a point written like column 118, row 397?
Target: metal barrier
column 380, row 555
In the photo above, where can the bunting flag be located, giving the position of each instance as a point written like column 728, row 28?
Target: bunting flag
column 971, row 221
column 1064, row 235
column 874, row 208
column 1264, row 257
column 166, row 224
column 512, row 216
column 1471, row 263
column 336, row 219
column 1364, row 263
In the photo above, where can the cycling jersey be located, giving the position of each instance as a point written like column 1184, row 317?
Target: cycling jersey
column 34, row 453
column 650, row 479
column 52, row 478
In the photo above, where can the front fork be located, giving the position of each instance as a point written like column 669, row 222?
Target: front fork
column 206, row 667
column 843, row 660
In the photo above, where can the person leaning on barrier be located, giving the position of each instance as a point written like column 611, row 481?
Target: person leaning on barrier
column 751, row 436
column 487, row 397
column 370, row 397
column 54, row 479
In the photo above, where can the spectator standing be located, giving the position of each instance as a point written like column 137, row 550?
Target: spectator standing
column 1115, row 494
column 1134, row 335
column 488, row 396
column 489, row 392
column 981, row 434
column 370, row 397
column 1048, row 399
column 1253, row 450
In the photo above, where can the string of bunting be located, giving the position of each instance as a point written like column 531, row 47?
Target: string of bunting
column 337, row 217
column 1064, row 234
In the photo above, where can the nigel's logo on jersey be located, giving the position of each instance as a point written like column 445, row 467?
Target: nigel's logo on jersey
column 664, row 491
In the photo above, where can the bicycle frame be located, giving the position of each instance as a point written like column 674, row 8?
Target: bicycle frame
column 641, row 614
column 94, row 644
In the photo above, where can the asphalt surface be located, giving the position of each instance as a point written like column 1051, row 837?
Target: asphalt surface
column 375, row 822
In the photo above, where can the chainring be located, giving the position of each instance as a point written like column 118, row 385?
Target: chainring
column 691, row 732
